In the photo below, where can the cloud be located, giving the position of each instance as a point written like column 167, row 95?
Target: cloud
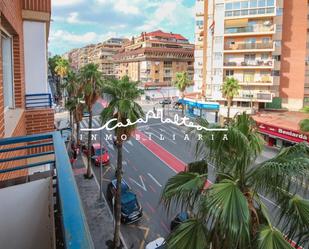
column 61, row 3
column 73, row 38
column 169, row 14
column 129, row 7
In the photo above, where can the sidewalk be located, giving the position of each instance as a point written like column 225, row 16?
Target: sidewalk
column 98, row 215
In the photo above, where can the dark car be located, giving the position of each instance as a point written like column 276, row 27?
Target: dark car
column 180, row 218
column 131, row 210
column 165, row 102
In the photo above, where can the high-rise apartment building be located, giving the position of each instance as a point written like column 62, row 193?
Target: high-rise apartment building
column 101, row 54
column 261, row 43
column 154, row 58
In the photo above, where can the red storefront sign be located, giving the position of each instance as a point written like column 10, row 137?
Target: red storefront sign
column 290, row 135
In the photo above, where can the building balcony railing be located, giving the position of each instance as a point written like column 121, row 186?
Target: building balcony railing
column 38, row 100
column 64, row 217
column 258, row 80
column 260, row 97
column 250, row 29
column 248, row 46
column 256, row 63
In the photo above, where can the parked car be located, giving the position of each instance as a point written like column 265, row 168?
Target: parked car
column 131, row 210
column 165, row 102
column 96, row 154
column 179, row 218
column 159, row 243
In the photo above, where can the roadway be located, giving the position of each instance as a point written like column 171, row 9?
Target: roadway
column 148, row 164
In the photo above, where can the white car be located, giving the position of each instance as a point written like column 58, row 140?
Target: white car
column 156, row 244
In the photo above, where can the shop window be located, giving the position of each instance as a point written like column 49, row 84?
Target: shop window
column 7, row 69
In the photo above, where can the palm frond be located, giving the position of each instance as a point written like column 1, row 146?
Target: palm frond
column 228, row 207
column 270, row 238
column 183, row 190
column 282, row 171
column 294, row 216
column 192, row 234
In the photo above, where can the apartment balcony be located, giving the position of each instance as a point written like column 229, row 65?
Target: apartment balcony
column 254, row 30
column 249, row 47
column 41, row 207
column 249, row 64
column 265, row 97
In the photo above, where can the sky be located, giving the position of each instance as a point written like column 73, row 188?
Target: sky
column 76, row 23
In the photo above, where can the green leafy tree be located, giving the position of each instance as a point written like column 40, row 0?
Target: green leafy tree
column 229, row 90
column 52, row 62
column 92, row 85
column 230, row 213
column 304, row 125
column 181, row 83
column 122, row 107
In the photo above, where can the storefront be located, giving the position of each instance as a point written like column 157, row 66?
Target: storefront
column 281, row 137
column 198, row 108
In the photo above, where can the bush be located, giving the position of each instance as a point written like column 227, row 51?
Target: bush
column 304, row 125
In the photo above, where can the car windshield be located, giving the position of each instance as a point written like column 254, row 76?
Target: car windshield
column 129, row 203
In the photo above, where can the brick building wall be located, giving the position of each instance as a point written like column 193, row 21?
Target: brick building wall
column 30, row 121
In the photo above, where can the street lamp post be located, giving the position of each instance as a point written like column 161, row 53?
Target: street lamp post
column 101, row 167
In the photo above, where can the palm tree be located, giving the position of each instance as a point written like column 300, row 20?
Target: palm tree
column 230, row 213
column 61, row 69
column 182, row 82
column 74, row 102
column 122, row 108
column 229, row 90
column 92, row 85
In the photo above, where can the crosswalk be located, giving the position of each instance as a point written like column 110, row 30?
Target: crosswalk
column 96, row 122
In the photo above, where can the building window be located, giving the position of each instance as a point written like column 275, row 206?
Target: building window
column 264, row 56
column 277, row 57
column 275, row 73
column 7, row 68
column 277, row 44
column 279, row 11
column 229, row 73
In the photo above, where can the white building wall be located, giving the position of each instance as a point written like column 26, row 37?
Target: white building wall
column 35, row 57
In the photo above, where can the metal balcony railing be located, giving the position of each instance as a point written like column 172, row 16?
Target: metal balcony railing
column 38, row 100
column 256, row 63
column 250, row 29
column 72, row 228
column 244, row 46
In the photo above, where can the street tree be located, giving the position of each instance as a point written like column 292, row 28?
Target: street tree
column 230, row 213
column 61, row 69
column 122, row 107
column 230, row 89
column 74, row 103
column 92, row 86
column 181, row 83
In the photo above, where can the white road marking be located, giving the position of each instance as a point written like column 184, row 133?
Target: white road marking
column 84, row 123
column 151, row 134
column 178, row 132
column 141, row 185
column 154, row 179
column 164, row 137
column 95, row 122
column 126, row 149
column 130, row 142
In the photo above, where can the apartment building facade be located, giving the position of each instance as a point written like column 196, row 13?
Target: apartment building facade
column 101, row 54
column 25, row 100
column 261, row 43
column 154, row 58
